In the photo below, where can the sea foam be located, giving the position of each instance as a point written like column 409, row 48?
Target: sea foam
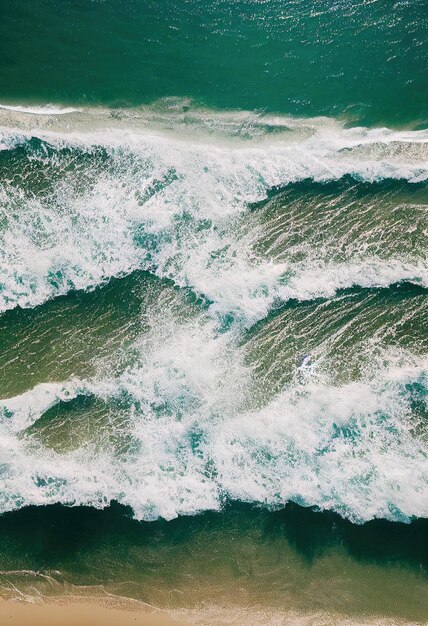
column 122, row 198
column 48, row 109
column 197, row 436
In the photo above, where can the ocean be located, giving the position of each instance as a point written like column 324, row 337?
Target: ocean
column 213, row 306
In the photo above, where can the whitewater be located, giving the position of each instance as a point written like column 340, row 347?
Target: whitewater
column 174, row 206
column 240, row 219
column 181, row 431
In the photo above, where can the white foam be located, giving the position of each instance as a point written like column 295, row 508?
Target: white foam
column 197, row 436
column 218, row 615
column 47, row 109
column 20, row 412
column 78, row 236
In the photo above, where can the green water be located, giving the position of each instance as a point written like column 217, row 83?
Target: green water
column 364, row 60
column 213, row 306
column 291, row 560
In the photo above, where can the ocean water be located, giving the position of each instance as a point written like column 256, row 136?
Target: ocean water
column 213, row 306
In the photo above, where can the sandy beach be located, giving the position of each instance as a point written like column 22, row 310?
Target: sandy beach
column 79, row 613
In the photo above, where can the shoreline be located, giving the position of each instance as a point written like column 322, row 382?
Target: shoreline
column 241, row 566
column 116, row 611
column 84, row 611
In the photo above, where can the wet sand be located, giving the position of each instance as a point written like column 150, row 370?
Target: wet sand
column 81, row 611
column 66, row 612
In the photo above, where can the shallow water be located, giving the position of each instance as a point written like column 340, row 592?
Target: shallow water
column 214, row 567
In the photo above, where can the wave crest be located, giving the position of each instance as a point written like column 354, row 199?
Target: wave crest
column 80, row 207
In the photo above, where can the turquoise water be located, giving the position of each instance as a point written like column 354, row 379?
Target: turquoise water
column 213, row 311
column 365, row 60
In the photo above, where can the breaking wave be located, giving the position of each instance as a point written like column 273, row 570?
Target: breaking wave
column 181, row 431
column 80, row 206
column 246, row 212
